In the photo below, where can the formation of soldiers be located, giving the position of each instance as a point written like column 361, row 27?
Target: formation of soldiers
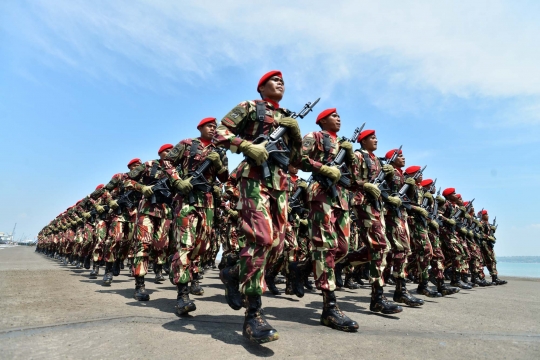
column 357, row 217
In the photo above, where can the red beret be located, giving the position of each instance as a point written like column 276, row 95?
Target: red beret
column 267, row 76
column 458, row 196
column 365, row 134
column 483, row 212
column 133, row 161
column 448, row 191
column 324, row 114
column 465, row 203
column 391, row 153
column 426, row 182
column 165, row 147
column 99, row 186
column 412, row 169
column 206, row 120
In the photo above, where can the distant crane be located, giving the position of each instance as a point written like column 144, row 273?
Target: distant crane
column 13, row 232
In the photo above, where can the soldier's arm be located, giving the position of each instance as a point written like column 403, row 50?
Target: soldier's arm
column 227, row 131
column 132, row 183
column 173, row 159
column 357, row 177
column 224, row 175
column 307, row 162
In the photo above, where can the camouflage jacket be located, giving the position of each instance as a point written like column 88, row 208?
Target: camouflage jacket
column 313, row 158
column 180, row 162
column 486, row 230
column 115, row 189
column 146, row 175
column 241, row 124
column 366, row 171
column 395, row 182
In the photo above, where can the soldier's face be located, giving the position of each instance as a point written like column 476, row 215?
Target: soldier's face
column 370, row 143
column 207, row 130
column 331, row 123
column 452, row 198
column 164, row 153
column 419, row 180
column 133, row 166
column 400, row 161
column 273, row 89
column 485, row 217
column 293, row 170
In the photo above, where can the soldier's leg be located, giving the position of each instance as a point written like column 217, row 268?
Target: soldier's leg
column 143, row 237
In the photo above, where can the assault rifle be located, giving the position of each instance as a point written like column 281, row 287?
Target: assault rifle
column 198, row 180
column 274, row 144
column 402, row 193
column 162, row 192
column 339, row 162
column 294, row 201
column 491, row 231
column 434, row 215
column 458, row 213
column 380, row 181
column 124, row 202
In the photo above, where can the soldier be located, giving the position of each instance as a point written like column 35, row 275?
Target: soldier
column 193, row 213
column 368, row 208
column 263, row 200
column 475, row 263
column 154, row 218
column 488, row 231
column 100, row 228
column 329, row 220
column 122, row 222
column 456, row 253
column 397, row 231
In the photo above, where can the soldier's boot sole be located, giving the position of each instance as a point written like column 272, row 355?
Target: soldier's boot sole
column 328, row 322
column 141, row 297
column 272, row 336
column 385, row 310
column 429, row 293
column 408, row 300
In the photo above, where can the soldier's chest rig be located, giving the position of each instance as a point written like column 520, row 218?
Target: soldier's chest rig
column 160, row 185
column 370, row 168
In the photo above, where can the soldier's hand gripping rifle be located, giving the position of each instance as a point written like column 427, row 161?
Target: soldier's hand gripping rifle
column 457, row 215
column 380, row 181
column 434, row 214
column 198, row 180
column 339, row 162
column 402, row 193
column 491, row 231
column 124, row 202
column 274, row 144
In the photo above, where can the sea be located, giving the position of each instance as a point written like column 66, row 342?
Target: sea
column 531, row 270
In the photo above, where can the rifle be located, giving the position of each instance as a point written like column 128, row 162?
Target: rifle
column 162, row 192
column 294, row 201
column 491, row 231
column 339, row 162
column 124, row 202
column 434, row 215
column 380, row 181
column 274, row 144
column 198, row 180
column 458, row 213
column 402, row 193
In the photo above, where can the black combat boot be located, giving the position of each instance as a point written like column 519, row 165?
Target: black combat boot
column 158, row 275
column 497, row 281
column 95, row 271
column 295, row 279
column 423, row 289
column 456, row 281
column 167, row 267
column 333, row 317
column 256, row 328
column 116, row 267
column 465, row 279
column 230, row 277
column 121, row 264
column 184, row 304
column 140, row 291
column 448, row 274
column 87, row 262
column 349, row 282
column 401, row 295
column 478, row 281
column 379, row 303
column 108, row 277
column 270, row 282
column 444, row 289
column 358, row 275
column 195, row 287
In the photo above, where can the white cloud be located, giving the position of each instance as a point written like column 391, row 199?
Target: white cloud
column 465, row 49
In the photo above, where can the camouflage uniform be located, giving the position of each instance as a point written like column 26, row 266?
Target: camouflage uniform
column 422, row 249
column 263, row 201
column 151, row 237
column 487, row 249
column 193, row 221
column 328, row 220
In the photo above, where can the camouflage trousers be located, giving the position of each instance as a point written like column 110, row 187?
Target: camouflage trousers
column 397, row 233
column 151, row 238
column 372, row 228
column 290, row 248
column 453, row 250
column 263, row 216
column 437, row 260
column 489, row 257
column 230, row 240
column 100, row 234
column 192, row 231
column 475, row 262
column 119, row 238
column 329, row 231
column 88, row 239
column 422, row 251
column 304, row 247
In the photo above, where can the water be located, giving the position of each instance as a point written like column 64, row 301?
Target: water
column 517, row 269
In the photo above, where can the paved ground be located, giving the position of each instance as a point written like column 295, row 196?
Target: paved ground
column 48, row 310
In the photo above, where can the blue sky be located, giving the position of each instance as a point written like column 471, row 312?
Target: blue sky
column 86, row 86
